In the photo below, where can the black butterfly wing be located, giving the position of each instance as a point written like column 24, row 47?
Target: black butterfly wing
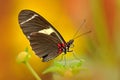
column 44, row 45
column 42, row 35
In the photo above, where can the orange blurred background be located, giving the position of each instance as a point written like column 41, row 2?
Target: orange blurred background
column 102, row 47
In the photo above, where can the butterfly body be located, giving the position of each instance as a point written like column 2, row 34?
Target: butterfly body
column 64, row 47
column 44, row 39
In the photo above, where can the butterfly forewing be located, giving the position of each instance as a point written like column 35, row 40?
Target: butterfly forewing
column 42, row 35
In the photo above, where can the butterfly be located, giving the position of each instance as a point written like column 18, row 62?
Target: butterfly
column 44, row 39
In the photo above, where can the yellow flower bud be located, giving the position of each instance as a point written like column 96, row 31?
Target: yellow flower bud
column 23, row 57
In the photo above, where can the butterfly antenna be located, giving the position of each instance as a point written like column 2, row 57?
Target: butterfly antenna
column 79, row 28
column 82, row 34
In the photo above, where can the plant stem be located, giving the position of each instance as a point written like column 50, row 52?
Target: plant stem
column 32, row 71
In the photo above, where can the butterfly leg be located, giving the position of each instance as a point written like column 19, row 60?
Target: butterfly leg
column 70, row 51
column 74, row 54
column 62, row 57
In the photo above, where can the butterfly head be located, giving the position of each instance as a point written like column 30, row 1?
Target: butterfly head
column 70, row 42
column 69, row 45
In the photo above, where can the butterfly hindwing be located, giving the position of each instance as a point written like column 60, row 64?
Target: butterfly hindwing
column 42, row 35
column 44, row 45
